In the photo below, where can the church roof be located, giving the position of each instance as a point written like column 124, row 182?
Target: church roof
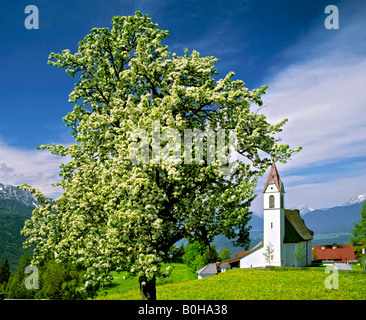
column 295, row 228
column 258, row 245
column 231, row 261
column 273, row 177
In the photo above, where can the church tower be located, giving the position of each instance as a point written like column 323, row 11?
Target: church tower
column 274, row 217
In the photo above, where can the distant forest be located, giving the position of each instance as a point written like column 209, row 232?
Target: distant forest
column 13, row 214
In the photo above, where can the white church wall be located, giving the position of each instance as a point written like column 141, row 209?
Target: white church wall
column 253, row 259
column 309, row 259
column 273, row 224
column 308, row 254
column 290, row 260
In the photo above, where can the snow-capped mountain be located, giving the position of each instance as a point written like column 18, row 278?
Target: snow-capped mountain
column 334, row 220
column 13, row 193
column 340, row 218
column 304, row 209
column 357, row 199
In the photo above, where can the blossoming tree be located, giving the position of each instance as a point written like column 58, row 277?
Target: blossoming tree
column 118, row 214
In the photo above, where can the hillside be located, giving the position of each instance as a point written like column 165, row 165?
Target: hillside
column 256, row 284
column 14, row 211
column 11, row 240
column 256, row 234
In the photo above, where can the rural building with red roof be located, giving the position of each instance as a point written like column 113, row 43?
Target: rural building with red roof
column 342, row 253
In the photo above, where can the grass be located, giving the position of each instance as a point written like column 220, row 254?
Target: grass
column 119, row 286
column 255, row 284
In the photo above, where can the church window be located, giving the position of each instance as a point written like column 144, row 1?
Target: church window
column 271, row 225
column 271, row 201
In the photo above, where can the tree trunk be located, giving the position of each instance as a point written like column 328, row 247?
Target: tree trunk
column 147, row 289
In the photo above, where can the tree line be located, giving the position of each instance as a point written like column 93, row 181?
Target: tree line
column 196, row 255
column 62, row 281
column 56, row 281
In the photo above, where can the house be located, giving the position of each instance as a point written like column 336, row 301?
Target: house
column 285, row 232
column 224, row 266
column 341, row 253
column 208, row 270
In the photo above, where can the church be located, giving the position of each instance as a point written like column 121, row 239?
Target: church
column 286, row 239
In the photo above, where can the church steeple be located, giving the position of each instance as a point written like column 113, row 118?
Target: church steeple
column 273, row 178
column 274, row 215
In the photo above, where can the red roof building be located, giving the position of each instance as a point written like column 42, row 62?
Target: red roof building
column 338, row 253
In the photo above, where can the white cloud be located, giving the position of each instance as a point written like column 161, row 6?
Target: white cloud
column 38, row 168
column 326, row 194
column 318, row 195
column 325, row 103
column 322, row 93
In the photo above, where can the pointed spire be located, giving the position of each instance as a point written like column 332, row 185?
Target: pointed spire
column 273, row 177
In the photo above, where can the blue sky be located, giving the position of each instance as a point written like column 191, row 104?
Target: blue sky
column 316, row 79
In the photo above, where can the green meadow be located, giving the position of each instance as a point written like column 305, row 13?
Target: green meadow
column 246, row 284
column 121, row 286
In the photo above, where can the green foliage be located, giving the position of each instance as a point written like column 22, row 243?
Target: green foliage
column 175, row 254
column 5, row 272
column 16, row 288
column 56, row 281
column 224, row 254
column 198, row 255
column 210, row 255
column 193, row 256
column 299, row 253
column 60, row 282
column 13, row 214
column 359, row 236
column 118, row 215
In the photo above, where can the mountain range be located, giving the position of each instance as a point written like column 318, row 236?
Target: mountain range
column 329, row 225
column 8, row 192
column 16, row 207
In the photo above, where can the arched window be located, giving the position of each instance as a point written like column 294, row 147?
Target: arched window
column 271, row 201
